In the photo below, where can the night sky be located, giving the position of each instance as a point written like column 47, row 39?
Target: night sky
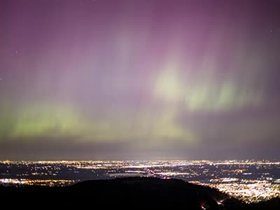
column 139, row 79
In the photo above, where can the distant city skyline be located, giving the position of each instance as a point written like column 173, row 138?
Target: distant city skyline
column 143, row 79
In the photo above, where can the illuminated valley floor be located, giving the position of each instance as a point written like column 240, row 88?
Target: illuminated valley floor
column 250, row 181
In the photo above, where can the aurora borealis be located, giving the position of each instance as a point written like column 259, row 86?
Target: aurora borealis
column 121, row 79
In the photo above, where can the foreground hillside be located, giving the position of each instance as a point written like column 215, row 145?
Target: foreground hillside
column 127, row 193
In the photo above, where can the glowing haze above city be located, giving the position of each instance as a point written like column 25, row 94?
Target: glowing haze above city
column 147, row 79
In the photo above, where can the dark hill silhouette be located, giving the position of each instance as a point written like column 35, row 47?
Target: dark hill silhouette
column 127, row 193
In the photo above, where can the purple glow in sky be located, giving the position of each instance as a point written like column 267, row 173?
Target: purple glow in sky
column 121, row 79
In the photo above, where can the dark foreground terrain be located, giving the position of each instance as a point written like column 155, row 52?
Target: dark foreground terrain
column 126, row 193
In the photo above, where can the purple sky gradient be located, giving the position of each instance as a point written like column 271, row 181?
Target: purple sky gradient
column 122, row 79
